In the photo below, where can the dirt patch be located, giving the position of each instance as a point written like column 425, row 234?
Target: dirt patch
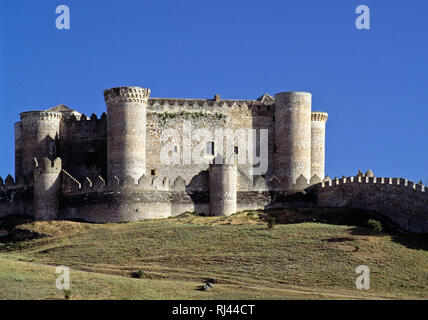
column 241, row 218
column 56, row 228
column 342, row 239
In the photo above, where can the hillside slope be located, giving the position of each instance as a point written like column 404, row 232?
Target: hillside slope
column 307, row 260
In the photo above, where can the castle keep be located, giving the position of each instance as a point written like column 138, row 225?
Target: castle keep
column 113, row 168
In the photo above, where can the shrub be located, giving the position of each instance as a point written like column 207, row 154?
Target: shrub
column 252, row 215
column 271, row 222
column 186, row 214
column 138, row 274
column 375, row 225
column 67, row 294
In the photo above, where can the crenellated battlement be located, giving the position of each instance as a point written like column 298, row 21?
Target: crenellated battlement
column 274, row 183
column 16, row 198
column 83, row 118
column 47, row 165
column 402, row 201
column 126, row 94
column 10, row 183
column 192, row 105
column 319, row 116
column 39, row 115
column 71, row 185
column 358, row 179
column 163, row 115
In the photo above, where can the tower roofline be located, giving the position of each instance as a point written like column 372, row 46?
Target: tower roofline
column 319, row 116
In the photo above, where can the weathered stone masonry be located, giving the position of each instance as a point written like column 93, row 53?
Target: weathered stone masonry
column 108, row 169
column 404, row 202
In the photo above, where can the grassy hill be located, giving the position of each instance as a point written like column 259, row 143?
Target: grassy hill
column 313, row 257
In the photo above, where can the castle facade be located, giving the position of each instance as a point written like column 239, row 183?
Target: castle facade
column 126, row 144
column 159, row 157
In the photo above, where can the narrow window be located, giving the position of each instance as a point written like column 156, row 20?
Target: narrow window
column 236, row 150
column 210, row 148
column 175, row 149
column 153, row 172
column 91, row 159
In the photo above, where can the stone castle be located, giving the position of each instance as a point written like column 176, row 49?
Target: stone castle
column 114, row 168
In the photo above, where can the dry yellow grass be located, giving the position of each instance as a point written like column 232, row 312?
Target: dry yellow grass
column 301, row 260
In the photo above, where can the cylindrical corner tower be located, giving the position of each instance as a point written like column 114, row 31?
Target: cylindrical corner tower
column 18, row 149
column 318, row 122
column 39, row 131
column 126, row 131
column 223, row 189
column 46, row 189
column 292, row 137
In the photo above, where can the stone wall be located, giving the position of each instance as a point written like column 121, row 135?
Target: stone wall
column 16, row 198
column 401, row 201
column 125, row 204
column 227, row 115
column 129, row 200
column 83, row 145
column 160, row 197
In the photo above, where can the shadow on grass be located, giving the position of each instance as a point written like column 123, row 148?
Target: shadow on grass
column 351, row 217
column 412, row 241
column 11, row 232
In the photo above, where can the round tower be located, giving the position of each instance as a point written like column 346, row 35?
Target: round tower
column 292, row 137
column 318, row 121
column 38, row 131
column 222, row 186
column 18, row 149
column 126, row 131
column 46, row 189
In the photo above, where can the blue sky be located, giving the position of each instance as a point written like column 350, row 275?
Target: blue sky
column 373, row 83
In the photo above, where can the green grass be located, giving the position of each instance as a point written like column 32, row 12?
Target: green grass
column 249, row 261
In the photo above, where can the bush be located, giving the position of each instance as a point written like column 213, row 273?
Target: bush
column 271, row 222
column 375, row 225
column 67, row 294
column 189, row 214
column 252, row 215
column 138, row 274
